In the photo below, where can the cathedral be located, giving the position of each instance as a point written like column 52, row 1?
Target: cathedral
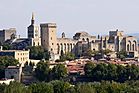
column 33, row 38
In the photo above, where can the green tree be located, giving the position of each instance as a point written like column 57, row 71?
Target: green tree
column 122, row 54
column 85, row 88
column 89, row 67
column 2, row 88
column 16, row 87
column 38, row 53
column 6, row 61
column 41, row 88
column 69, row 56
column 100, row 72
column 71, row 89
column 127, row 73
column 42, row 71
column 91, row 53
column 59, row 72
column 60, row 86
column 107, row 51
column 121, row 73
column 65, row 87
column 135, row 72
column 7, row 47
column 132, row 72
column 112, row 72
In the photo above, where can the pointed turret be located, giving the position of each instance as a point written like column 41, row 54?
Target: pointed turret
column 32, row 19
column 63, row 35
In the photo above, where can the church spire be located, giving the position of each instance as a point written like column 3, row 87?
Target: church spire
column 32, row 19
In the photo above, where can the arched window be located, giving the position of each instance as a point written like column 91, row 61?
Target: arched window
column 83, row 39
column 71, row 47
column 58, row 48
column 68, row 47
column 128, row 47
column 65, row 47
column 87, row 40
column 61, row 46
column 133, row 47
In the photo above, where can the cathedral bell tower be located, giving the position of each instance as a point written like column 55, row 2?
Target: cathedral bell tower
column 33, row 33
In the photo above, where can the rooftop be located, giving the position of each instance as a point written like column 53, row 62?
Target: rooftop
column 13, row 50
column 82, row 33
column 13, row 67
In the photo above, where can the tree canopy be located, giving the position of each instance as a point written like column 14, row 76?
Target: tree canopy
column 38, row 53
column 6, row 61
column 67, row 56
column 65, row 87
column 111, row 72
column 59, row 72
column 6, row 46
column 44, row 73
column 122, row 54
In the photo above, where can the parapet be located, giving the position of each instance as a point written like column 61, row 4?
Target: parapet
column 48, row 25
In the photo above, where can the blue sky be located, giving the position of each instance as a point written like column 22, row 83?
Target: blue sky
column 71, row 16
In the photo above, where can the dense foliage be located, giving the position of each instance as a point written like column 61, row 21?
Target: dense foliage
column 65, row 87
column 98, row 72
column 91, row 53
column 67, row 56
column 44, row 73
column 15, row 87
column 122, row 55
column 58, row 72
column 6, row 47
column 38, row 53
column 6, row 61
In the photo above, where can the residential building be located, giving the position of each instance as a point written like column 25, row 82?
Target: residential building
column 21, row 55
column 13, row 72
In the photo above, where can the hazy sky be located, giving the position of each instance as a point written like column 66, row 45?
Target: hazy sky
column 71, row 16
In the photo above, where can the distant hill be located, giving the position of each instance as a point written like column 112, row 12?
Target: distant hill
column 134, row 34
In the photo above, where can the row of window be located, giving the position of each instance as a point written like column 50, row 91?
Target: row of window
column 35, row 44
column 133, row 47
column 22, row 54
column 23, row 59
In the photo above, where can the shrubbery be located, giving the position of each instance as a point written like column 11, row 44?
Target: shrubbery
column 65, row 87
column 111, row 72
column 44, row 73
